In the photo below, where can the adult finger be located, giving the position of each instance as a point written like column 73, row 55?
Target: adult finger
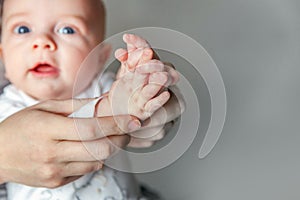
column 151, row 67
column 157, row 102
column 147, row 137
column 63, row 107
column 73, row 169
column 86, row 129
column 137, row 142
column 151, row 90
column 147, row 133
column 96, row 150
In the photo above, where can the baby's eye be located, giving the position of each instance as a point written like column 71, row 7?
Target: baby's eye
column 22, row 30
column 66, row 30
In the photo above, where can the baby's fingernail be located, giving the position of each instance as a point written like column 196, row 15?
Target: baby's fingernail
column 134, row 125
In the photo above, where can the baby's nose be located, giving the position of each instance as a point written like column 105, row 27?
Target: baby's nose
column 44, row 41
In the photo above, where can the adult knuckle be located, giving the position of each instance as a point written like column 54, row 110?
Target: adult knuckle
column 49, row 173
column 89, row 169
column 95, row 167
column 47, row 156
column 54, row 183
column 42, row 154
column 91, row 131
column 119, row 129
column 87, row 130
column 104, row 151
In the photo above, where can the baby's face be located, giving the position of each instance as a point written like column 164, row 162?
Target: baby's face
column 45, row 41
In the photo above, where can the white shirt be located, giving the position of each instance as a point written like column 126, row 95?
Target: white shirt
column 104, row 184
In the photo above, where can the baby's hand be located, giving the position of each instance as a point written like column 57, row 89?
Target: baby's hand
column 138, row 52
column 133, row 94
column 140, row 71
column 138, row 88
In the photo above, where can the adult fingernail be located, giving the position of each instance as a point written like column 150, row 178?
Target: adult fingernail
column 134, row 125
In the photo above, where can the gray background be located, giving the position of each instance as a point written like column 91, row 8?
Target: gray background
column 256, row 45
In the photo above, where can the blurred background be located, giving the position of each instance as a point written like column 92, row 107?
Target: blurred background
column 256, row 46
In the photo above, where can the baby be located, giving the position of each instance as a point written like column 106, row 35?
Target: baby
column 43, row 43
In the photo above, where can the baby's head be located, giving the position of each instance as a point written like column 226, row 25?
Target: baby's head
column 43, row 43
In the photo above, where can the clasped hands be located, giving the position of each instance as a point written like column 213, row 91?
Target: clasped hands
column 41, row 146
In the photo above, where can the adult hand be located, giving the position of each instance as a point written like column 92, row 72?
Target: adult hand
column 41, row 146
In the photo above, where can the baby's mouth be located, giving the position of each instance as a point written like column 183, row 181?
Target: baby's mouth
column 44, row 69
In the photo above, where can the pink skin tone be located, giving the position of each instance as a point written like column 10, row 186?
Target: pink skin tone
column 138, row 88
column 44, row 42
column 44, row 65
column 37, row 33
column 50, row 48
column 145, row 95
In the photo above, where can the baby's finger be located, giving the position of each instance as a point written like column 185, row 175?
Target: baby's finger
column 159, row 78
column 122, row 71
column 166, row 78
column 150, row 91
column 147, row 55
column 157, row 102
column 133, row 58
column 121, row 55
column 153, row 87
column 173, row 75
column 134, row 42
column 151, row 67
